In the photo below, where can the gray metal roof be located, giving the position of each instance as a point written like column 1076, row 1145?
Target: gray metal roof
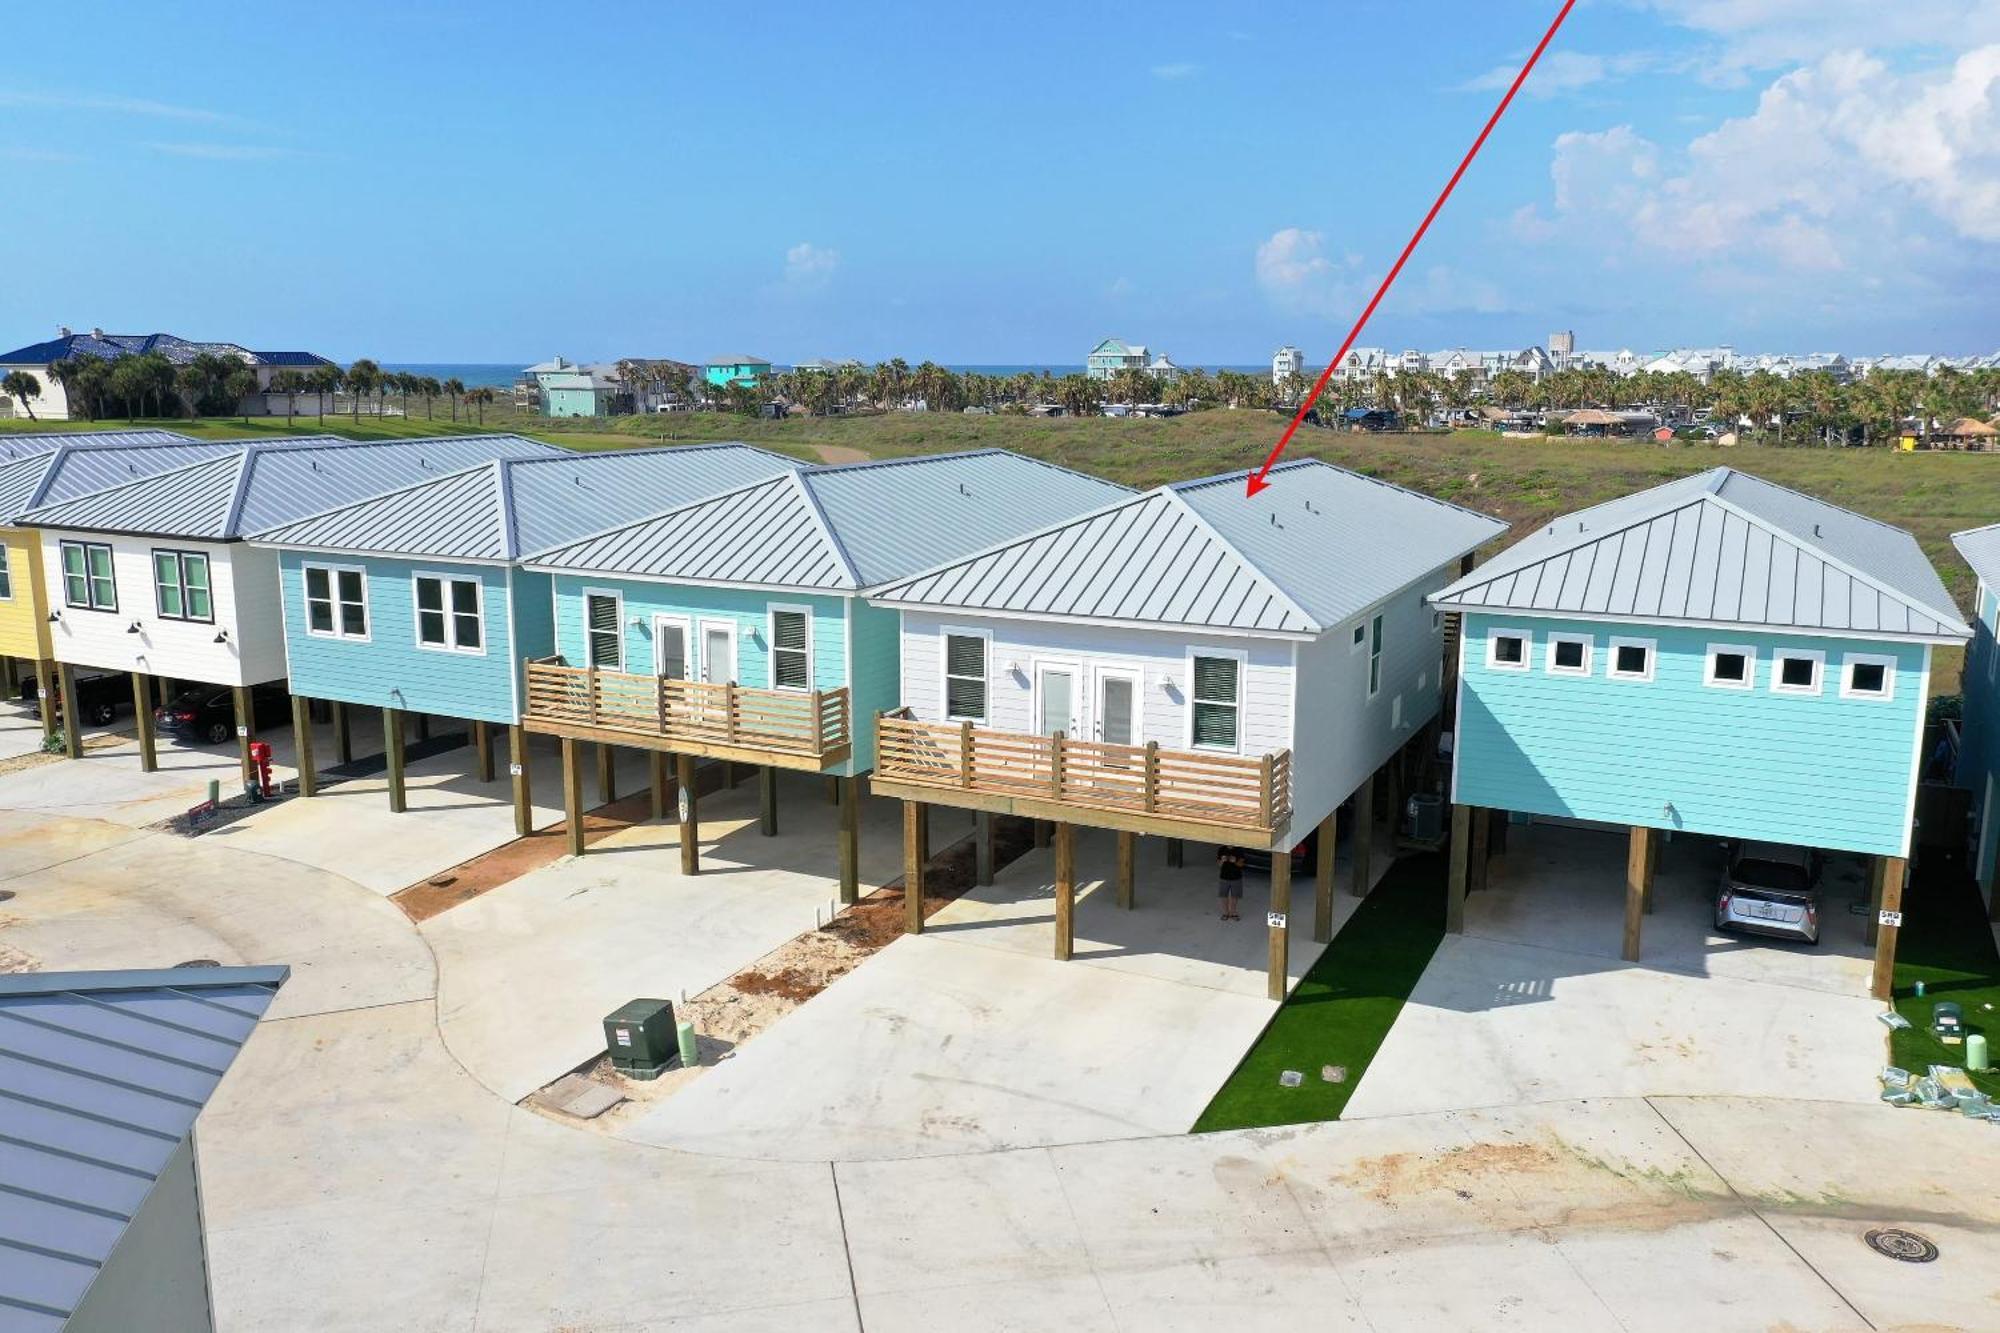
column 1981, row 549
column 101, row 1077
column 1726, row 548
column 261, row 485
column 502, row 509
column 1316, row 547
column 79, row 469
column 843, row 528
column 22, row 444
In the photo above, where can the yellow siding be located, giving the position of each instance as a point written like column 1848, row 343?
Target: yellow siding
column 24, row 619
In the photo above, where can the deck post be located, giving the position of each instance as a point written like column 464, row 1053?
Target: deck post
column 482, row 745
column 982, row 847
column 246, row 728
column 1462, row 818
column 1652, row 868
column 46, row 689
column 1128, row 855
column 607, row 773
column 1065, row 840
column 1329, row 843
column 656, row 769
column 914, row 856
column 1638, row 883
column 72, row 732
column 1364, row 836
column 423, row 726
column 1176, row 853
column 517, row 771
column 1393, row 807
column 850, row 839
column 767, row 801
column 142, row 714
column 10, row 683
column 302, row 744
column 572, row 782
column 1875, row 869
column 343, row 738
column 832, row 790
column 1481, row 851
column 1044, row 830
column 392, row 751
column 1280, row 923
column 689, row 810
column 1883, row 984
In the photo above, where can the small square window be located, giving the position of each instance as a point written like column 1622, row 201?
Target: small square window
column 1569, row 654
column 1631, row 659
column 1868, row 676
column 1797, row 672
column 1507, row 650
column 1731, row 666
column 1360, row 637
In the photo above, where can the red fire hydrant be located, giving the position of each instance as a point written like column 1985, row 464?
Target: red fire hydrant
column 262, row 788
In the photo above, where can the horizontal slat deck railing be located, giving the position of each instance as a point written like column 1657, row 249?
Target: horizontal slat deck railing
column 815, row 723
column 1224, row 790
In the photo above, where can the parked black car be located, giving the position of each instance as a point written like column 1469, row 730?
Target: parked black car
column 206, row 714
column 1304, row 856
column 99, row 696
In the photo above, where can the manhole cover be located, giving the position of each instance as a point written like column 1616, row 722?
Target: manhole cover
column 199, row 962
column 1897, row 1243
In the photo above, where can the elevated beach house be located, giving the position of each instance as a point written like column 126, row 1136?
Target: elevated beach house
column 1715, row 656
column 738, row 627
column 34, row 470
column 1191, row 662
column 414, row 602
column 1979, row 750
column 151, row 576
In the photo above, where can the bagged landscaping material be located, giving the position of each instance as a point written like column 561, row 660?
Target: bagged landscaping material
column 1893, row 1020
column 1895, row 1079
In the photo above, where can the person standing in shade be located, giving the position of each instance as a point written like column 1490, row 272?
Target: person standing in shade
column 1229, row 865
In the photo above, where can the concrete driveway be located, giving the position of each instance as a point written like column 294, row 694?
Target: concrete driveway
column 1533, row 1002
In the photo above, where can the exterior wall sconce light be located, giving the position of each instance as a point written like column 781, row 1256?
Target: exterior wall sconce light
column 221, row 636
column 132, row 628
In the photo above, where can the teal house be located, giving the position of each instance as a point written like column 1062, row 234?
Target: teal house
column 414, row 601
column 1979, row 748
column 738, row 627
column 749, row 371
column 577, row 393
column 1717, row 656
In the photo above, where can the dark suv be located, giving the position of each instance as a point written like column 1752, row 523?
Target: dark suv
column 206, row 714
column 99, row 696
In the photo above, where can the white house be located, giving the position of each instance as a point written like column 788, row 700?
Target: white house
column 1191, row 662
column 1286, row 362
column 52, row 404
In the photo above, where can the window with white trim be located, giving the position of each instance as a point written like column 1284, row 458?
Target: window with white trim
column 604, row 644
column 6, row 576
column 1569, row 654
column 1630, row 659
column 1797, row 671
column 1507, row 650
column 965, row 677
column 336, row 602
column 181, row 586
column 791, row 650
column 1217, row 703
column 1360, row 637
column 1867, row 676
column 1730, row 666
column 1374, row 656
column 88, row 583
column 449, row 614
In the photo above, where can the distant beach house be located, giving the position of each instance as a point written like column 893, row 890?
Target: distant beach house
column 53, row 403
column 1286, row 362
column 748, row 371
column 579, row 393
column 1113, row 355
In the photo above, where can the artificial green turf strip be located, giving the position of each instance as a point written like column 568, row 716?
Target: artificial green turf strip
column 1947, row 943
column 1343, row 1008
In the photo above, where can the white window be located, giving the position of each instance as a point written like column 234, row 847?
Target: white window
column 1731, row 666
column 336, row 602
column 1630, row 659
column 6, row 577
column 449, row 614
column 1214, row 723
column 791, row 648
column 1569, row 654
column 603, row 612
column 88, row 583
column 1867, row 676
column 1507, row 649
column 965, row 677
column 1374, row 656
column 1360, row 637
column 180, row 586
column 1796, row 670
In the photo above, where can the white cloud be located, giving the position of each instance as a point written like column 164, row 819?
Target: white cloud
column 1560, row 72
column 222, row 152
column 130, row 106
column 809, row 266
column 1297, row 275
column 1178, row 70
column 1769, row 34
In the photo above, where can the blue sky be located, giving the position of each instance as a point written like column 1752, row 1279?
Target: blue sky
column 508, row 181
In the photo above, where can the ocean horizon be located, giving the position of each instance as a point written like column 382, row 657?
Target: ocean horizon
column 500, row 374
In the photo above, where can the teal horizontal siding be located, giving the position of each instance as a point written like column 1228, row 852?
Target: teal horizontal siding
column 1821, row 771
column 878, row 675
column 747, row 610
column 389, row 670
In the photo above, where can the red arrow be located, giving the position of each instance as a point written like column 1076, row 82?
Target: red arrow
column 1257, row 480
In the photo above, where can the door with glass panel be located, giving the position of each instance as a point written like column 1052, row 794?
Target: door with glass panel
column 718, row 667
column 1117, row 720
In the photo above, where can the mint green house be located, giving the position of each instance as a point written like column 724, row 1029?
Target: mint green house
column 1717, row 656
column 738, row 627
column 576, row 393
column 749, row 371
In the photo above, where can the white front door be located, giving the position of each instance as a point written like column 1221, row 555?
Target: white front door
column 718, row 652
column 1055, row 700
column 1117, row 699
column 670, row 647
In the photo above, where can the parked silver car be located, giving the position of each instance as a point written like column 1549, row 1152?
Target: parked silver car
column 1770, row 889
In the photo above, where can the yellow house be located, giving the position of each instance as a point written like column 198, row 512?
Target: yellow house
column 41, row 469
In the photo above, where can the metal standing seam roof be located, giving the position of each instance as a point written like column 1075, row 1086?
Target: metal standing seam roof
column 28, row 443
column 101, row 1077
column 843, row 528
column 264, row 484
column 499, row 510
column 1981, row 549
column 1721, row 547
column 83, row 468
column 1316, row 547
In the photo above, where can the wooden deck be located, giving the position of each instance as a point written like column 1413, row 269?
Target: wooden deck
column 809, row 730
column 1144, row 789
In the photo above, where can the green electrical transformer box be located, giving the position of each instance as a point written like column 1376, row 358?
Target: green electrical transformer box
column 639, row 1035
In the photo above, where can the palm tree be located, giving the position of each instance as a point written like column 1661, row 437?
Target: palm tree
column 288, row 383
column 23, row 388
column 1080, row 395
column 325, row 380
column 363, row 377
column 454, row 389
column 480, row 397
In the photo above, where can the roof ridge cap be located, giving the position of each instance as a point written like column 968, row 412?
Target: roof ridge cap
column 826, row 528
column 1941, row 615
column 1132, row 497
column 1306, row 618
column 377, row 498
column 659, row 514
